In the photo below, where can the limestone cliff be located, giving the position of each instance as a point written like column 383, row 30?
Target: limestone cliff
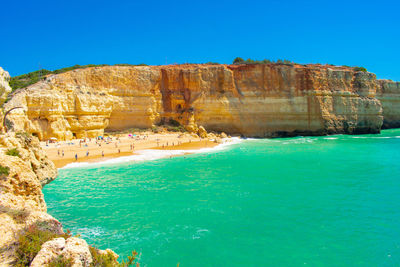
column 253, row 100
column 388, row 94
column 5, row 89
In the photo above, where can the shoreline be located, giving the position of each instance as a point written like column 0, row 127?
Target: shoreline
column 124, row 146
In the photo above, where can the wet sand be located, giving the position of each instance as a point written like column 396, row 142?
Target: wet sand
column 119, row 146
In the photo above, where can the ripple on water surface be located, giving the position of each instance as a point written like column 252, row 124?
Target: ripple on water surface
column 321, row 201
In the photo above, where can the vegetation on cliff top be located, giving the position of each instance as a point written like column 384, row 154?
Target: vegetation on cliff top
column 25, row 80
column 240, row 60
column 360, row 69
column 249, row 61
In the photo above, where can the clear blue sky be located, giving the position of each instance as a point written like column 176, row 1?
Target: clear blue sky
column 58, row 34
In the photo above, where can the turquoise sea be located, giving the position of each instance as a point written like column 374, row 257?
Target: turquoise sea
column 315, row 201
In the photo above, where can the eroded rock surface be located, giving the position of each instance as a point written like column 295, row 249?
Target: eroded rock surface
column 252, row 100
column 5, row 88
column 388, row 94
column 50, row 251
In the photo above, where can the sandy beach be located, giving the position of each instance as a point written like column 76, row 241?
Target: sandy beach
column 119, row 145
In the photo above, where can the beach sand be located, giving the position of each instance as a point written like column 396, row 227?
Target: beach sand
column 120, row 145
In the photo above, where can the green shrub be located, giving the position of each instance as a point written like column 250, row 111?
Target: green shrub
column 13, row 152
column 250, row 61
column 130, row 261
column 108, row 260
column 4, row 171
column 30, row 243
column 238, row 60
column 103, row 260
column 360, row 69
column 31, row 240
column 61, row 261
column 25, row 80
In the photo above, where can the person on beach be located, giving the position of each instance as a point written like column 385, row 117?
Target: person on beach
column 76, row 157
column 63, row 153
column 87, row 153
column 102, row 153
column 119, row 150
column 58, row 152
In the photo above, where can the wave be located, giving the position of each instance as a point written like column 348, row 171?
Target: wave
column 154, row 154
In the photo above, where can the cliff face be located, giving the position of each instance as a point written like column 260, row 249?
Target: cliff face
column 388, row 94
column 251, row 100
column 4, row 87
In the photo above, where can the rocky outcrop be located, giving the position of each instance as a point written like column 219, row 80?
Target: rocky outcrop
column 50, row 251
column 263, row 100
column 5, row 88
column 21, row 200
column 73, row 249
column 388, row 94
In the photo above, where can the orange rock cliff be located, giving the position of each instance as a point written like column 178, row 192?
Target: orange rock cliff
column 264, row 100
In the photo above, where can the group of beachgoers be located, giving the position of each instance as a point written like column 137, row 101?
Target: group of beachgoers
column 116, row 141
column 99, row 141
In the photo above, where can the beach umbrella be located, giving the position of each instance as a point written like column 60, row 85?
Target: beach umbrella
column 53, row 138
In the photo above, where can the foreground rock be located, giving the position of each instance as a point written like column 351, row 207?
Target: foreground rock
column 74, row 249
column 263, row 100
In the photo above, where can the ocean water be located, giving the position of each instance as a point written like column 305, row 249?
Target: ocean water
column 316, row 201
